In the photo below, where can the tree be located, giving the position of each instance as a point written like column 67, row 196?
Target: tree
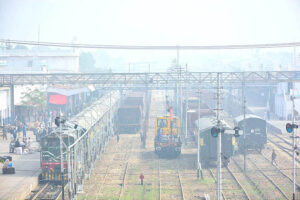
column 34, row 98
column 86, row 62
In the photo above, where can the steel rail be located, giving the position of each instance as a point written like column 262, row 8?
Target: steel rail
column 123, row 181
column 238, row 183
column 269, row 179
column 283, row 149
column 40, row 191
column 215, row 179
column 278, row 169
column 159, row 181
column 180, row 183
column 250, row 180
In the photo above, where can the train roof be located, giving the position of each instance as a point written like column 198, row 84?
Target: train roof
column 94, row 112
column 67, row 131
column 206, row 123
column 248, row 116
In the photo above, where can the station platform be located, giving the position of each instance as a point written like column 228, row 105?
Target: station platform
column 27, row 168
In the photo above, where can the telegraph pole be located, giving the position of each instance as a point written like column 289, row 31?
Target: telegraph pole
column 186, row 108
column 219, row 149
column 294, row 148
column 244, row 122
column 186, row 117
column 199, row 167
column 61, row 159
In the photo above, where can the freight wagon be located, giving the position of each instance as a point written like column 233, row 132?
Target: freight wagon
column 131, row 113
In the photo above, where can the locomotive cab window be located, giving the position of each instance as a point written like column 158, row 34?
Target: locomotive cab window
column 162, row 123
column 174, row 123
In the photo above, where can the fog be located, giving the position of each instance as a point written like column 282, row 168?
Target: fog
column 161, row 23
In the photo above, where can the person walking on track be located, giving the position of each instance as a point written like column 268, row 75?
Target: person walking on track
column 273, row 157
column 142, row 178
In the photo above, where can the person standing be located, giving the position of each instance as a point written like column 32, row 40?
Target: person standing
column 4, row 133
column 274, row 157
column 118, row 138
column 142, row 178
column 24, row 130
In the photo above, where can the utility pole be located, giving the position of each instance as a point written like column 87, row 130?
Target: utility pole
column 186, row 117
column 199, row 167
column 61, row 159
column 219, row 149
column 294, row 147
column 186, row 108
column 244, row 122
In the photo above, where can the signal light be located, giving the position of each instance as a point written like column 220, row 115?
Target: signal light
column 57, row 121
column 215, row 131
column 236, row 131
column 290, row 127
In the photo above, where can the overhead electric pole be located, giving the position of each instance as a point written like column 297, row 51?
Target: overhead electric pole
column 244, row 121
column 294, row 145
column 219, row 148
column 199, row 167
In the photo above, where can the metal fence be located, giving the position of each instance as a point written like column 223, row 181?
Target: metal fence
column 99, row 120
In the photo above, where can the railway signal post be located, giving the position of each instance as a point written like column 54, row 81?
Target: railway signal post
column 219, row 149
column 59, row 122
column 244, row 125
column 290, row 128
column 199, row 167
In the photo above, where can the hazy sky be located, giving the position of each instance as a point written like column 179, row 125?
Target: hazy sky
column 152, row 22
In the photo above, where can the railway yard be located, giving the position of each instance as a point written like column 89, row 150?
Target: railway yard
column 156, row 100
column 116, row 174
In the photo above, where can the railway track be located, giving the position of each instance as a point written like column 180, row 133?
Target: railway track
column 170, row 182
column 48, row 191
column 253, row 184
column 284, row 146
column 279, row 180
column 123, row 181
column 159, row 181
column 266, row 185
column 279, row 170
column 232, row 188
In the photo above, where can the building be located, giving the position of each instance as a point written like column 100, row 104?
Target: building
column 5, row 107
column 32, row 61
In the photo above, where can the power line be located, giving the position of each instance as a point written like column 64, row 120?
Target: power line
column 142, row 47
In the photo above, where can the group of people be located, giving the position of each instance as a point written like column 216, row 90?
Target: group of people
column 24, row 144
column 14, row 130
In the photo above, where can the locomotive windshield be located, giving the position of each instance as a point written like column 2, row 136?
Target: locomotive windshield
column 162, row 123
column 51, row 147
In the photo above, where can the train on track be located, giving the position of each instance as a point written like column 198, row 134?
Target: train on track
column 98, row 120
column 167, row 140
column 50, row 151
column 255, row 133
column 131, row 113
column 208, row 143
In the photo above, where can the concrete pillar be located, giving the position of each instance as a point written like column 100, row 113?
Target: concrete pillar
column 12, row 104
